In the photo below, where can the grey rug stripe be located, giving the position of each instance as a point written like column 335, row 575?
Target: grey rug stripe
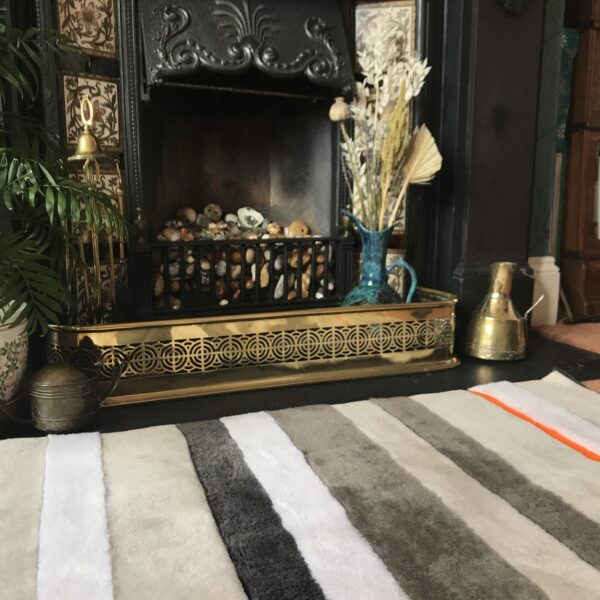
column 265, row 554
column 430, row 551
column 570, row 527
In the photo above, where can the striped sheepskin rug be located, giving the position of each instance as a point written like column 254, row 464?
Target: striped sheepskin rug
column 492, row 493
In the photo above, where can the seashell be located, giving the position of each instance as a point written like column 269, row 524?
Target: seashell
column 205, row 264
column 213, row 212
column 296, row 229
column 186, row 235
column 236, row 271
column 175, row 224
column 264, row 276
column 189, row 259
column 189, row 269
column 202, row 221
column 188, row 215
column 278, row 263
column 219, row 288
column 236, row 296
column 306, row 281
column 292, row 295
column 278, row 294
column 158, row 284
column 174, row 303
column 223, row 302
column 231, row 218
column 233, row 230
column 174, row 269
column 171, row 235
column 221, row 268
column 249, row 235
column 250, row 256
column 274, row 228
column 320, row 294
column 249, row 218
column 175, row 286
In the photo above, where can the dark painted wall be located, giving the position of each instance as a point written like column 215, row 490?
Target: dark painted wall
column 482, row 103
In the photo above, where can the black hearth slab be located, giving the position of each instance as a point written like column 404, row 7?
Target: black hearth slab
column 543, row 356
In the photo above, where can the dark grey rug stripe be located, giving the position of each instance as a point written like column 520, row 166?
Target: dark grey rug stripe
column 430, row 551
column 265, row 554
column 570, row 527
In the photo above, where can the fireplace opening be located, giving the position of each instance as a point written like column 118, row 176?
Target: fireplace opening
column 245, row 194
column 238, row 160
column 278, row 156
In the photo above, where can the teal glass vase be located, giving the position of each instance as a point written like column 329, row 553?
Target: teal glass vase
column 373, row 286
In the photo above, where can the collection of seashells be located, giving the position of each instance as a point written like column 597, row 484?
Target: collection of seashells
column 210, row 224
column 261, row 270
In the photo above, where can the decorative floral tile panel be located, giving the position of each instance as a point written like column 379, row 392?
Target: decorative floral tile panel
column 91, row 24
column 107, row 183
column 402, row 12
column 104, row 94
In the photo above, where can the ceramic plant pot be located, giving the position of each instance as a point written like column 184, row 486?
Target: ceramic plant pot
column 373, row 286
column 13, row 359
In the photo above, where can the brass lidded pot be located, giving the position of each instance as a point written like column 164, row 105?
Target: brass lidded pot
column 64, row 399
column 497, row 330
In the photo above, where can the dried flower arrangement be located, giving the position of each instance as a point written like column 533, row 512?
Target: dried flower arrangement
column 384, row 157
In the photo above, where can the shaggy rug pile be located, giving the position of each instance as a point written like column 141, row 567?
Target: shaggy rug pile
column 491, row 493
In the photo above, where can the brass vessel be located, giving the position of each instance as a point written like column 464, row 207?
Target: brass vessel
column 497, row 330
column 65, row 399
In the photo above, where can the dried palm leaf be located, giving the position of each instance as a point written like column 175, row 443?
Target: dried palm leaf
column 424, row 161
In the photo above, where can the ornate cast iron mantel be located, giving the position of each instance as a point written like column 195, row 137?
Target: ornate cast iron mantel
column 229, row 37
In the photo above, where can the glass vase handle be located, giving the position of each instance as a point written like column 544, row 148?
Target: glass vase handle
column 402, row 264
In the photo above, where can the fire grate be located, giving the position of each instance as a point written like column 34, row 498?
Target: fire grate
column 223, row 275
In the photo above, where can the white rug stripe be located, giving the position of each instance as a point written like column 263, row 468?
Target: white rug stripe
column 340, row 559
column 21, row 489
column 542, row 459
column 164, row 539
column 566, row 393
column 74, row 554
column 563, row 421
column 556, row 569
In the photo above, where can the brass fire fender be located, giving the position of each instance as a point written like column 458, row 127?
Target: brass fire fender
column 196, row 357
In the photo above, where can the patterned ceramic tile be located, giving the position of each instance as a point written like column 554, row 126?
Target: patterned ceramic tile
column 403, row 12
column 108, row 183
column 91, row 24
column 104, row 94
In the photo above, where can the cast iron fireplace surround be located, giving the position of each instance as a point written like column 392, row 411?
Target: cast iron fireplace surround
column 229, row 104
column 480, row 103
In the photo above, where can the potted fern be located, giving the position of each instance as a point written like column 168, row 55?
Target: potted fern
column 45, row 206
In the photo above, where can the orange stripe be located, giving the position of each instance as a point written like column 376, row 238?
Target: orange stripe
column 548, row 430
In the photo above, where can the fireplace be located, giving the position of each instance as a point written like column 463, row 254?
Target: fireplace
column 229, row 106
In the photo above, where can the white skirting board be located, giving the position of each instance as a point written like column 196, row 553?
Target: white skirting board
column 547, row 281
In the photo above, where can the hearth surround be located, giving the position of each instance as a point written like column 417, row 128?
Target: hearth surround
column 233, row 110
column 480, row 103
column 227, row 103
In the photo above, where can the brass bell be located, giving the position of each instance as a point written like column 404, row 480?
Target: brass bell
column 88, row 148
